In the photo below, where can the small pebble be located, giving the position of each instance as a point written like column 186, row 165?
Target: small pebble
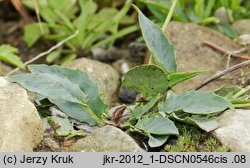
column 109, row 55
column 127, row 95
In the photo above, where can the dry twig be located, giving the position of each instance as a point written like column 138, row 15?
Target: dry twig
column 23, row 12
column 222, row 73
column 223, row 51
column 44, row 53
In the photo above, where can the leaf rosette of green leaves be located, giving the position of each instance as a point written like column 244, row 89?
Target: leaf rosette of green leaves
column 155, row 81
column 70, row 90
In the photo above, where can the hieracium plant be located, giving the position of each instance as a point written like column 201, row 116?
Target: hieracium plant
column 76, row 95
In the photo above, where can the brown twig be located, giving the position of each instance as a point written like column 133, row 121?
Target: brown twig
column 222, row 73
column 23, row 12
column 223, row 51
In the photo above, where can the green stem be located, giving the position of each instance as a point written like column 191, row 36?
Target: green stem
column 242, row 92
column 151, row 60
column 242, row 105
column 76, row 133
column 170, row 13
column 98, row 120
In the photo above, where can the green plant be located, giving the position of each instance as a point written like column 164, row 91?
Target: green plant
column 8, row 54
column 193, row 139
column 199, row 11
column 62, row 19
column 77, row 96
column 154, row 118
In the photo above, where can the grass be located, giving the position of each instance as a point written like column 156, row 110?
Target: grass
column 193, row 139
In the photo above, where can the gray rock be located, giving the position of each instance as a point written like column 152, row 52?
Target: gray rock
column 192, row 55
column 48, row 144
column 21, row 127
column 127, row 95
column 234, row 130
column 242, row 26
column 106, row 139
column 138, row 51
column 104, row 75
column 109, row 55
column 223, row 15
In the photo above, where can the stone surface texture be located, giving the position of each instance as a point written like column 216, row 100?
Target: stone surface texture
column 21, row 127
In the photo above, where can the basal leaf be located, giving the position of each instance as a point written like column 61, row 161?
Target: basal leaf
column 64, row 127
column 51, row 86
column 159, row 46
column 149, row 80
column 157, row 125
column 8, row 54
column 138, row 111
column 157, row 140
column 176, row 78
column 195, row 102
column 203, row 122
column 73, row 110
column 79, row 78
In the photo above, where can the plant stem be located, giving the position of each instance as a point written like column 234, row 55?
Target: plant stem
column 170, row 13
column 223, row 51
column 242, row 105
column 241, row 92
column 98, row 120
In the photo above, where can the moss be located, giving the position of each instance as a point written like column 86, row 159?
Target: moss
column 192, row 139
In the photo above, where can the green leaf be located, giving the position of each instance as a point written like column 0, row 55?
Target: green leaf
column 227, row 92
column 81, row 79
column 117, row 35
column 73, row 110
column 199, row 8
column 8, row 54
column 32, row 32
column 236, row 95
column 176, row 78
column 227, row 30
column 53, row 56
column 51, row 86
column 63, row 6
column 150, row 80
column 157, row 140
column 63, row 125
column 195, row 102
column 68, row 59
column 205, row 123
column 159, row 46
column 157, row 125
column 208, row 8
column 138, row 111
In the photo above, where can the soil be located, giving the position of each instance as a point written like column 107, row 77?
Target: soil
column 192, row 55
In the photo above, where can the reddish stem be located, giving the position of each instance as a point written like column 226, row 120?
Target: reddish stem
column 223, row 51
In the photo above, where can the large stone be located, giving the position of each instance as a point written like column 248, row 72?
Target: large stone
column 104, row 75
column 242, row 26
column 234, row 130
column 192, row 55
column 106, row 139
column 21, row 127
